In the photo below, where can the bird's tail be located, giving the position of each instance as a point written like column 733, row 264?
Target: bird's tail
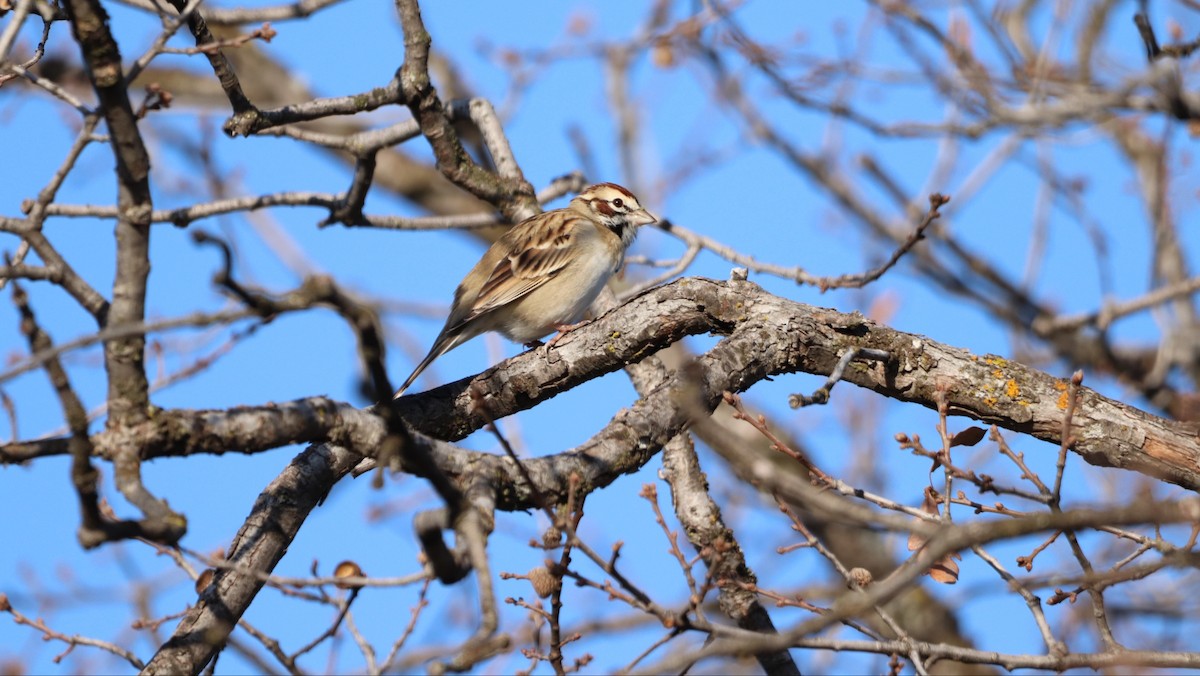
column 440, row 347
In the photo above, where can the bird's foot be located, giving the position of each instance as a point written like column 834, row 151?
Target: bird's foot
column 563, row 329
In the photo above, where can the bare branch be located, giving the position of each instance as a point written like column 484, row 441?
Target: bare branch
column 510, row 192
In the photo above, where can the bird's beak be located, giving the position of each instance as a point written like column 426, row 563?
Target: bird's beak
column 642, row 217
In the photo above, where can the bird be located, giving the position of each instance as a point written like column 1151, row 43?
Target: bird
column 543, row 273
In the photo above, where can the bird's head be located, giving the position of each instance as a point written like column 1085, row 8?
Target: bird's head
column 615, row 207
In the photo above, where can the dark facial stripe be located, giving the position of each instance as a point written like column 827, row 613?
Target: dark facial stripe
column 602, row 207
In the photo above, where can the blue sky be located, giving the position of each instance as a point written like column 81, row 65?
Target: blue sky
column 752, row 200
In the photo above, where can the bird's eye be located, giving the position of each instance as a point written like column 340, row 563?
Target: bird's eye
column 618, row 203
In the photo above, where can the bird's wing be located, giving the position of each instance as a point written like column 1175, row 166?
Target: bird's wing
column 540, row 251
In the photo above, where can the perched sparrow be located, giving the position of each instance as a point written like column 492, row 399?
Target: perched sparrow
column 544, row 272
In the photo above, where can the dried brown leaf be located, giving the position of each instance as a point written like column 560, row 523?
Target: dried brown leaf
column 945, row 570
column 968, row 437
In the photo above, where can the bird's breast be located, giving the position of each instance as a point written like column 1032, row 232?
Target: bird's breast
column 563, row 299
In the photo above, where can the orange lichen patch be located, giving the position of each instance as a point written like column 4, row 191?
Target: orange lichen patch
column 1063, row 400
column 1011, row 389
column 997, row 373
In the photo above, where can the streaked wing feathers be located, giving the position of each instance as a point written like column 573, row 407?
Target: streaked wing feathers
column 540, row 251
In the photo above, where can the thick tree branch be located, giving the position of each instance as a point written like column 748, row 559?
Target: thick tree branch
column 798, row 337
column 128, row 390
column 791, row 337
column 720, row 549
column 262, row 541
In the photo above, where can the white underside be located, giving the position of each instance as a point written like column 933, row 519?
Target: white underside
column 562, row 300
